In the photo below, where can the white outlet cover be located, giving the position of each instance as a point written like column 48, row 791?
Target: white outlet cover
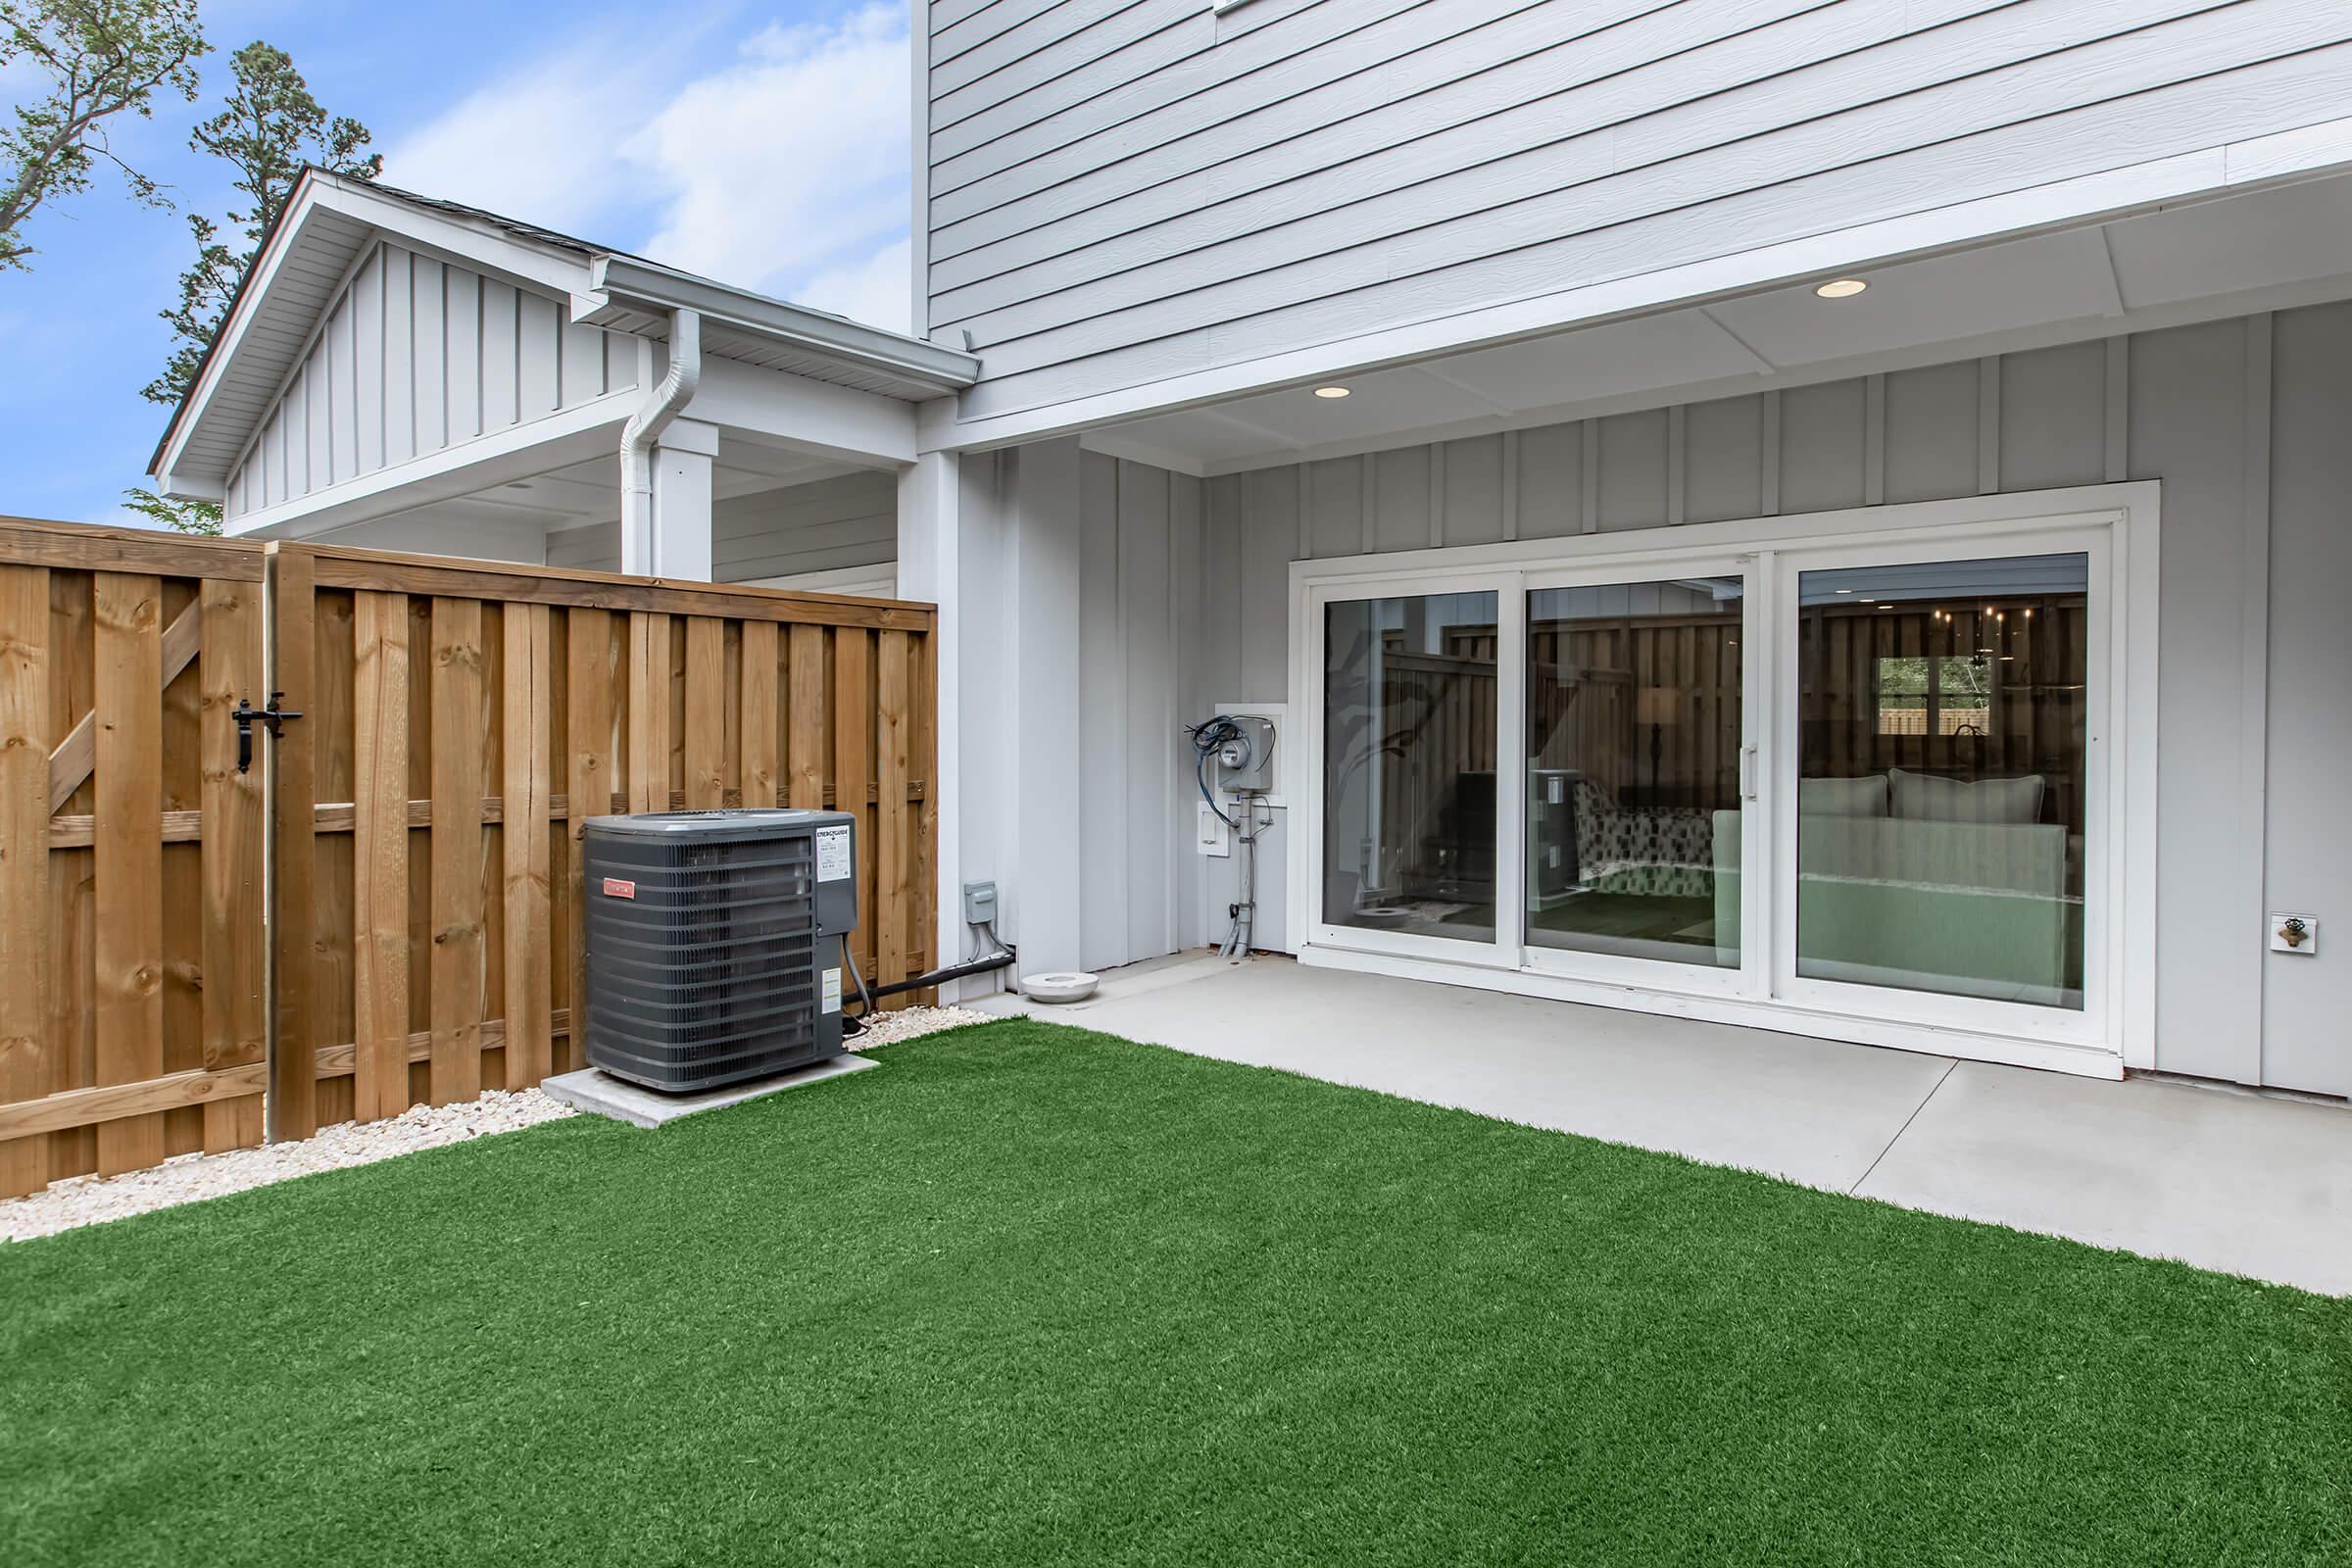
column 1213, row 834
column 2280, row 934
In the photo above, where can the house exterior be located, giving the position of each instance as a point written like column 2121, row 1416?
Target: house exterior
column 1817, row 516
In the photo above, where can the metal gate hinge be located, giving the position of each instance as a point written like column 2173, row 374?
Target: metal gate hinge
column 246, row 714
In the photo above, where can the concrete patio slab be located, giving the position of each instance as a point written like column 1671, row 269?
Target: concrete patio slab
column 2241, row 1183
column 607, row 1095
column 1812, row 1110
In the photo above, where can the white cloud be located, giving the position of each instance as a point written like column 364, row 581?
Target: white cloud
column 542, row 146
column 790, row 166
column 876, row 291
column 784, row 169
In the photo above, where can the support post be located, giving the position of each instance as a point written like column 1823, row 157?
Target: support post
column 930, row 540
column 677, row 545
column 1043, row 790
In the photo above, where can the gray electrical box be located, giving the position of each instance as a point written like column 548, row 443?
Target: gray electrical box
column 714, row 943
column 1246, row 765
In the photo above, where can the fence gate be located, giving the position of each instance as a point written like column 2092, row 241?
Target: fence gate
column 131, row 1024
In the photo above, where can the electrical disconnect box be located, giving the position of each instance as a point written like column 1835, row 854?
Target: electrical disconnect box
column 1246, row 762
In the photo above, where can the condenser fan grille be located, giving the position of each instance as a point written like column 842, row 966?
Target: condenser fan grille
column 707, row 953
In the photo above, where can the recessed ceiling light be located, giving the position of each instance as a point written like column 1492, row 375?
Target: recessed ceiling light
column 1841, row 288
column 1845, row 590
column 1331, row 391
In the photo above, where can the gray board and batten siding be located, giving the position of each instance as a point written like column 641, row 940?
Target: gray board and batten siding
column 1175, row 589
column 1119, row 191
column 416, row 356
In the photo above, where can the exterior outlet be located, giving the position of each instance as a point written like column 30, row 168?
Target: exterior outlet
column 1212, row 835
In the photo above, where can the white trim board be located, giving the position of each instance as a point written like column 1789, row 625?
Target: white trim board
column 2115, row 1030
column 2223, row 170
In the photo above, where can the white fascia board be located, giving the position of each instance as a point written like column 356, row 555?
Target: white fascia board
column 455, row 237
column 775, row 408
column 2229, row 168
column 233, row 331
column 624, row 284
column 445, row 236
column 572, row 435
column 192, row 488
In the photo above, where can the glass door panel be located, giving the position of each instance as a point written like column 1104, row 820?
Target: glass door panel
column 1942, row 789
column 1633, row 789
column 1410, row 715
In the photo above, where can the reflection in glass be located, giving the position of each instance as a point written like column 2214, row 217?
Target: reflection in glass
column 1409, row 711
column 1633, row 788
column 1940, row 796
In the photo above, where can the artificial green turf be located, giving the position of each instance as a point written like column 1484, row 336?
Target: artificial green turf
column 1031, row 1296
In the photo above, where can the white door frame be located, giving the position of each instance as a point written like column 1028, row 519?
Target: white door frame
column 2115, row 1030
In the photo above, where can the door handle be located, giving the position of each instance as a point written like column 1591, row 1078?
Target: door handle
column 1747, row 772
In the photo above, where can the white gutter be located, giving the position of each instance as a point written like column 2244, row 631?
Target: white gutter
column 676, row 390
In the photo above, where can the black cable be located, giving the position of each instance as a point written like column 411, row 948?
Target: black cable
column 1209, row 737
column 857, row 1025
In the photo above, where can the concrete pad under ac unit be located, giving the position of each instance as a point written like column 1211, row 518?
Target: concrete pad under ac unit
column 599, row 1092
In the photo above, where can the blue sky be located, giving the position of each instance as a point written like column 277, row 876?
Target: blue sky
column 761, row 143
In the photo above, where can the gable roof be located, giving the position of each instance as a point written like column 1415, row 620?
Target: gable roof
column 330, row 224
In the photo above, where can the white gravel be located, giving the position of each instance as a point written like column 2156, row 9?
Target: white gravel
column 93, row 1199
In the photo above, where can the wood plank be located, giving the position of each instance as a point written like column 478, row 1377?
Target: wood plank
column 894, row 820
column 380, row 857
column 79, row 547
column 293, row 875
column 805, row 758
column 232, row 997
column 761, row 775
column 603, row 590
column 457, row 1005
column 335, row 1062
column 588, row 758
column 129, row 870
column 853, row 767
column 72, row 763
column 148, row 1098
column 924, row 951
column 529, row 984
column 648, row 710
column 25, row 935
column 706, row 714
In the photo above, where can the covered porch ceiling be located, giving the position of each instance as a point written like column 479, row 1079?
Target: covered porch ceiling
column 511, row 518
column 2228, row 255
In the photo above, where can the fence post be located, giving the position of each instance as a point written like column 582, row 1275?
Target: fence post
column 289, row 872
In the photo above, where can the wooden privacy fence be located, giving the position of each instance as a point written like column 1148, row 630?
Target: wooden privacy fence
column 458, row 722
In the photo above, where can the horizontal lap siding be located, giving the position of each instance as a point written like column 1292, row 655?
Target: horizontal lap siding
column 1335, row 169
column 415, row 356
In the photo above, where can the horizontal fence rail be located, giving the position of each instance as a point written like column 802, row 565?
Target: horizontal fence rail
column 459, row 722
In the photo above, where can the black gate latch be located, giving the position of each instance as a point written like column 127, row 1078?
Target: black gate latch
column 245, row 714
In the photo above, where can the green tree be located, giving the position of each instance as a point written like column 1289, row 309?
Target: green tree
column 102, row 58
column 268, row 131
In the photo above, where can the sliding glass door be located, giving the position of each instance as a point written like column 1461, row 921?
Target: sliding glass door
column 1862, row 779
column 1410, row 756
column 1944, row 831
column 1637, row 750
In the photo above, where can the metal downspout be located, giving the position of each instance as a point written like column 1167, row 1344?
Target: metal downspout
column 667, row 400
